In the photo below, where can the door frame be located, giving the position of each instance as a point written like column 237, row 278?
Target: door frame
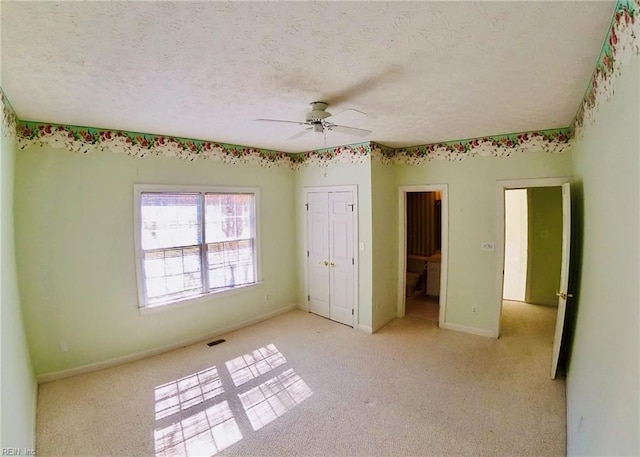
column 402, row 245
column 501, row 187
column 356, row 252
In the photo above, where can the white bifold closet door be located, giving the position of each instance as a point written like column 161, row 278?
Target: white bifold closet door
column 330, row 255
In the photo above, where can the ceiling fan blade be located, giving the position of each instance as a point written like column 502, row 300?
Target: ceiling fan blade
column 299, row 134
column 280, row 120
column 349, row 130
column 346, row 111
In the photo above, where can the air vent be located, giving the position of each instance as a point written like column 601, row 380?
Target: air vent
column 215, row 343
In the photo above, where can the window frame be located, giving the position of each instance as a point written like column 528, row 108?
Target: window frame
column 138, row 190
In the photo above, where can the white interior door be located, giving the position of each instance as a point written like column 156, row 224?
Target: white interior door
column 341, row 259
column 318, row 253
column 330, row 255
column 564, row 277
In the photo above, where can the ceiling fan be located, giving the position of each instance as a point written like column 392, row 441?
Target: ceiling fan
column 316, row 120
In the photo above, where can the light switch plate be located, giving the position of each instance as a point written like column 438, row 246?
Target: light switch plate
column 488, row 246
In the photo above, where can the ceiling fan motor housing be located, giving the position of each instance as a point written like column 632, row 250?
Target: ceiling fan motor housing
column 317, row 112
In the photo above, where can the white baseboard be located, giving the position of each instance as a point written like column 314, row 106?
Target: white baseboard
column 56, row 375
column 465, row 329
column 365, row 328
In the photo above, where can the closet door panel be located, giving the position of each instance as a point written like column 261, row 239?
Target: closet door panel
column 341, row 256
column 318, row 268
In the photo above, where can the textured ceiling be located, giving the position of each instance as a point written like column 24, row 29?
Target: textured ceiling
column 423, row 72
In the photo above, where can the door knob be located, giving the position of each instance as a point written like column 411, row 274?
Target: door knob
column 326, row 263
column 333, row 264
column 563, row 295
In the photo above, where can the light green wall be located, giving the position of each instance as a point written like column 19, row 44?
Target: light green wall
column 603, row 382
column 76, row 268
column 473, row 198
column 340, row 175
column 384, row 216
column 75, row 245
column 18, row 386
column 544, row 207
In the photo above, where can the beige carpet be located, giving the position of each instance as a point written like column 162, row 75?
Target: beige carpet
column 299, row 384
column 422, row 306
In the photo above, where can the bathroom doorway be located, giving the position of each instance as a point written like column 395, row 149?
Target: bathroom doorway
column 422, row 252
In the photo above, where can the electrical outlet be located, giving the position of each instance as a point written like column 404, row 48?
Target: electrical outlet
column 474, row 309
column 64, row 347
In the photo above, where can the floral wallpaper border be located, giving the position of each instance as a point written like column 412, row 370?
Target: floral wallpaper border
column 383, row 154
column 9, row 118
column 550, row 141
column 622, row 41
column 85, row 140
column 352, row 153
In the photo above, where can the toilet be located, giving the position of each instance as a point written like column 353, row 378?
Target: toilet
column 412, row 282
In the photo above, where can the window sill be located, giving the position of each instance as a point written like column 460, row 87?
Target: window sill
column 199, row 299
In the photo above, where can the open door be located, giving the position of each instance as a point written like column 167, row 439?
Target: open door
column 562, row 294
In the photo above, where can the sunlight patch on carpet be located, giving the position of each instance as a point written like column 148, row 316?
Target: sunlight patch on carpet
column 204, row 433
column 187, row 392
column 273, row 398
column 259, row 362
column 188, row 423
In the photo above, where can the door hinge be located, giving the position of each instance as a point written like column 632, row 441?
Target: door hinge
column 352, row 311
column 351, row 205
column 307, row 253
column 308, row 297
column 353, row 261
column 307, row 206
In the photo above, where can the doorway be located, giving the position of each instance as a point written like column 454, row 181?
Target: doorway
column 422, row 275
column 534, row 224
column 515, row 244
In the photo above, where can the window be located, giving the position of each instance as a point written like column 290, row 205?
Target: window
column 193, row 242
